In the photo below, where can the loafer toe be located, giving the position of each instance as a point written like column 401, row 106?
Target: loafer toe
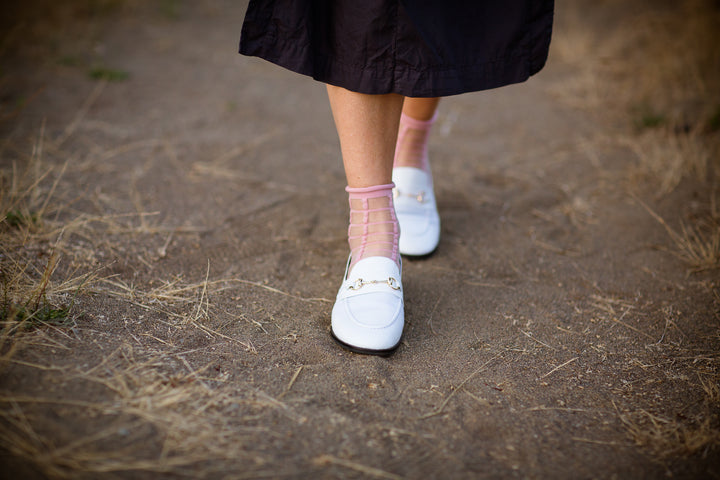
column 368, row 315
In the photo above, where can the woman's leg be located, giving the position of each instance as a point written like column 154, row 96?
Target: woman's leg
column 367, row 126
column 415, row 204
column 418, row 116
column 420, row 108
column 368, row 315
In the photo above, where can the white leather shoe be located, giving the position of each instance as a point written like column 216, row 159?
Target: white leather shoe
column 369, row 315
column 416, row 211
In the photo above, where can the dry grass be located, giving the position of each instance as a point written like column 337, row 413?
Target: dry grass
column 367, row 471
column 172, row 300
column 656, row 61
column 697, row 245
column 150, row 418
column 24, row 198
column 32, row 295
column 666, row 437
column 666, row 158
column 185, row 419
column 655, row 68
column 170, row 421
column 188, row 304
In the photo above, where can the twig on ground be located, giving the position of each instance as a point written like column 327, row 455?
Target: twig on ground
column 440, row 408
column 358, row 467
column 291, row 383
column 529, row 335
column 558, row 367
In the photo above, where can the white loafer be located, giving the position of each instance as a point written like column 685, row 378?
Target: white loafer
column 369, row 314
column 416, row 211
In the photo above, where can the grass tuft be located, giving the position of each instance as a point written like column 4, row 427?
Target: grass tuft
column 698, row 245
column 25, row 303
column 109, row 74
column 31, row 297
column 31, row 318
column 16, row 218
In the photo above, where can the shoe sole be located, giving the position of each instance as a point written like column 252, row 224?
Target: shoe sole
column 419, row 256
column 365, row 351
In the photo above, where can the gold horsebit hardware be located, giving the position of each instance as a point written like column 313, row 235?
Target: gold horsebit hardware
column 420, row 197
column 359, row 283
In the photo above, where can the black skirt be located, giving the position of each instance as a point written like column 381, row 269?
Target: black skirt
column 416, row 48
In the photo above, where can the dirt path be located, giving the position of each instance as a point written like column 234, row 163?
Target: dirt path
column 196, row 206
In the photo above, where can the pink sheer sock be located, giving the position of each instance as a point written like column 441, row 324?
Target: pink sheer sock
column 374, row 230
column 411, row 149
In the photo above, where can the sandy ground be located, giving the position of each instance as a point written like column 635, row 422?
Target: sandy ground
column 195, row 202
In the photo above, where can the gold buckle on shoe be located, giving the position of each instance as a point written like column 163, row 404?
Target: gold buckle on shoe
column 420, row 197
column 359, row 283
